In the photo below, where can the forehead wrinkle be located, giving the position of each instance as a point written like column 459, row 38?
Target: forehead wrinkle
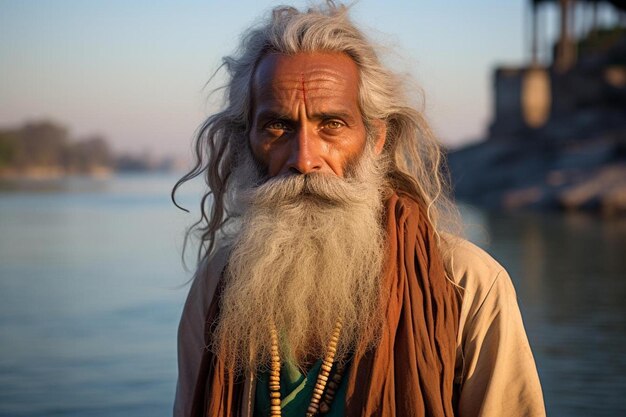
column 282, row 102
column 278, row 96
column 308, row 71
column 321, row 88
column 320, row 93
column 296, row 78
column 303, row 88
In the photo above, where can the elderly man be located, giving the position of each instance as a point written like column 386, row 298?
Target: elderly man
column 327, row 283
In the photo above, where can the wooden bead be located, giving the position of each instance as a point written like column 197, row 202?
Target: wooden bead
column 323, row 381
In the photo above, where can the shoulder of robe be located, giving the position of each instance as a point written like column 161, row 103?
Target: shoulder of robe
column 191, row 329
column 206, row 278
column 473, row 270
column 211, row 269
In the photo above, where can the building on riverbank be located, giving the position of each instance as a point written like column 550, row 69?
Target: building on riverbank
column 558, row 134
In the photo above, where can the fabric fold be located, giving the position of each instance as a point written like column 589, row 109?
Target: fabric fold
column 411, row 371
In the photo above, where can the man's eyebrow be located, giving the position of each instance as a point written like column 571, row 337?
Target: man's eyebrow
column 272, row 114
column 339, row 114
column 334, row 115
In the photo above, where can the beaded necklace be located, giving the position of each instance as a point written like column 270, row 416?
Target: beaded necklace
column 320, row 400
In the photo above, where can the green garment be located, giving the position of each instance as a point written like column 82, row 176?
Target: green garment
column 295, row 392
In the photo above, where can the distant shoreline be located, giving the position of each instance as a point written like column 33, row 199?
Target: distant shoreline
column 44, row 174
column 52, row 173
column 54, row 180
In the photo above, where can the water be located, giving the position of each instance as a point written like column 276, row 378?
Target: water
column 569, row 272
column 91, row 292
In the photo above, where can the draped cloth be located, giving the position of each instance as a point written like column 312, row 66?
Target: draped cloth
column 410, row 372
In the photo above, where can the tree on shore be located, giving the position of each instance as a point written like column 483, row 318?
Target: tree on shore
column 46, row 145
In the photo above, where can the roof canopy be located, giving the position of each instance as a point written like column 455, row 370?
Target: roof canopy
column 620, row 4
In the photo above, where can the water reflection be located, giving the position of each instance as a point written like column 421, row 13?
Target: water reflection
column 569, row 274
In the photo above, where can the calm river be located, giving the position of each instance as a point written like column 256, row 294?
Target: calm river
column 92, row 285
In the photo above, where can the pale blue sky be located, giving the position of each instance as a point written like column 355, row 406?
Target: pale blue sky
column 135, row 70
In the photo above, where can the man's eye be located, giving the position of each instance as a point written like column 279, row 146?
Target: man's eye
column 277, row 125
column 333, row 124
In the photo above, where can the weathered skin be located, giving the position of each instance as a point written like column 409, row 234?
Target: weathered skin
column 306, row 116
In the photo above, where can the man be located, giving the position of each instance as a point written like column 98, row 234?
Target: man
column 327, row 285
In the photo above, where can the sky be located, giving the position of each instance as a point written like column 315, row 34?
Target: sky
column 135, row 71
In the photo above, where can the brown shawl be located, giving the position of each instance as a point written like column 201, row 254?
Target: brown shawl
column 411, row 370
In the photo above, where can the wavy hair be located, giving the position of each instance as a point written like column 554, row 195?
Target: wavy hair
column 414, row 155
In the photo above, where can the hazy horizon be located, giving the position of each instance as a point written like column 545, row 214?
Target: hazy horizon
column 135, row 72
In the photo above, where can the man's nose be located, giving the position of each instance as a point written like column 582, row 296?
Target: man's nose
column 305, row 155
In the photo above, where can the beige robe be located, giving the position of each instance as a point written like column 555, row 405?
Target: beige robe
column 495, row 370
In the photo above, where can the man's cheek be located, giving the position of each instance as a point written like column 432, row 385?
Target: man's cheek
column 261, row 164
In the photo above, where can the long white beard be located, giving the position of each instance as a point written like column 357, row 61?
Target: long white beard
column 309, row 252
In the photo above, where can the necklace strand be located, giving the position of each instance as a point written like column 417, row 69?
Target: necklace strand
column 322, row 376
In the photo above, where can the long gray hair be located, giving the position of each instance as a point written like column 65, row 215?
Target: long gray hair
column 415, row 158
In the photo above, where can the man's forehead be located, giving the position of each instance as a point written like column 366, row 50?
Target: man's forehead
column 278, row 65
column 325, row 73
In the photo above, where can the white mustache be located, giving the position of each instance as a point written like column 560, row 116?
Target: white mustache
column 321, row 188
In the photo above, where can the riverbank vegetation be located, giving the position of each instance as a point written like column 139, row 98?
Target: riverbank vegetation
column 45, row 149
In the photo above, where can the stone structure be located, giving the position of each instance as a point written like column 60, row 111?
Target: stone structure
column 557, row 125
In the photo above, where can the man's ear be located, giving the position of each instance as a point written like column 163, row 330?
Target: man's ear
column 381, row 135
